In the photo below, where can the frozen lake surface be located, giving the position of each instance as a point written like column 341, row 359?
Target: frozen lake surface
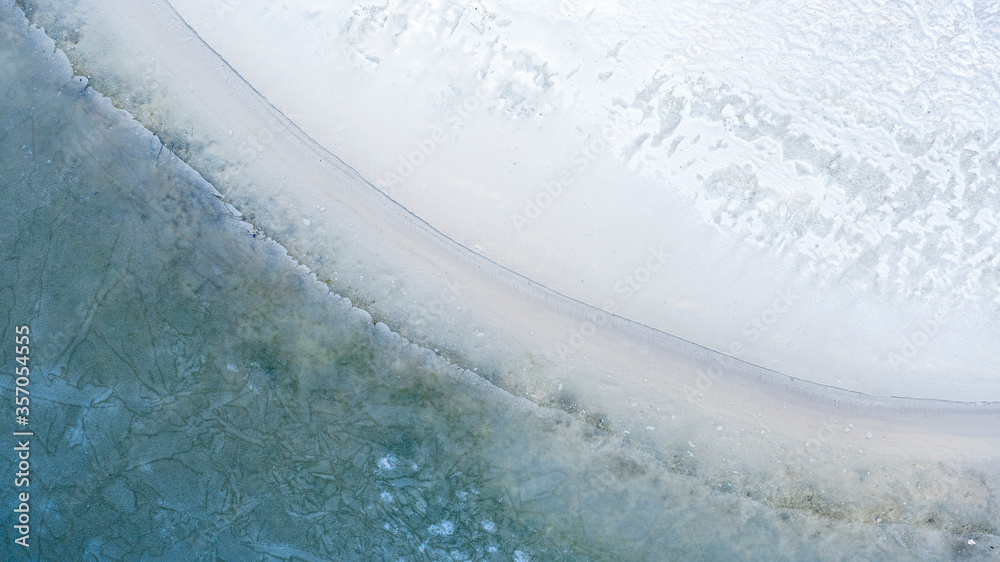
column 717, row 285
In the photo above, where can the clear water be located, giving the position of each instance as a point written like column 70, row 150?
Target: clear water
column 196, row 395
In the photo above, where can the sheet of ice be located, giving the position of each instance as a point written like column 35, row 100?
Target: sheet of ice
column 817, row 183
column 196, row 395
column 741, row 429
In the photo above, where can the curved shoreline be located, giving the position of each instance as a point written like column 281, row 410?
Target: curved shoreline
column 557, row 301
column 616, row 366
column 362, row 198
column 846, row 323
column 554, row 300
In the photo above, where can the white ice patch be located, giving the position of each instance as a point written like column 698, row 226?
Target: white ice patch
column 387, row 462
column 444, row 528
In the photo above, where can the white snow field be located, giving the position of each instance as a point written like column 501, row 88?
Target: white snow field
column 757, row 241
column 844, row 155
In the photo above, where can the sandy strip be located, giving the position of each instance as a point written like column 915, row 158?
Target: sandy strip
column 687, row 406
